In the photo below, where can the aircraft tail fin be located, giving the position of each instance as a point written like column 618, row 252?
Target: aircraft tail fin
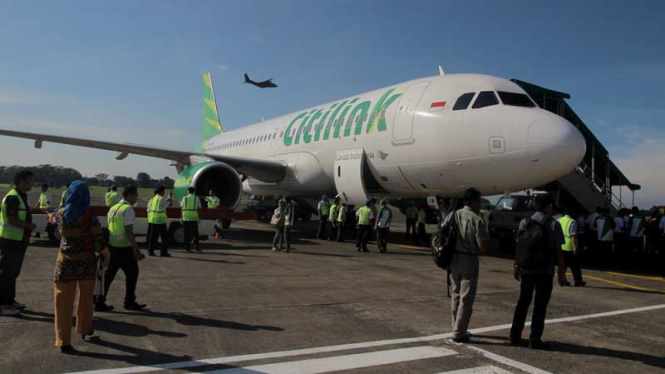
column 247, row 80
column 210, row 123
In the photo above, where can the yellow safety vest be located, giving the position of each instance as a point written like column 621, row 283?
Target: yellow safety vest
column 110, row 198
column 189, row 210
column 363, row 215
column 341, row 216
column 213, row 202
column 8, row 231
column 567, row 224
column 324, row 208
column 156, row 215
column 116, row 219
column 43, row 201
column 332, row 217
column 422, row 216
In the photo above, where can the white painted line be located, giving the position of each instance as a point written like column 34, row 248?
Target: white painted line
column 489, row 369
column 347, row 362
column 342, row 347
column 508, row 362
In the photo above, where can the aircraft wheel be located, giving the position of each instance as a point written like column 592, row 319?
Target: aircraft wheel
column 177, row 233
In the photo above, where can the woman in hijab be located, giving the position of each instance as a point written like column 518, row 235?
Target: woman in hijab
column 76, row 265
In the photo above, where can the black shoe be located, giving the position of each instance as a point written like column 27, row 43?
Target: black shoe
column 538, row 344
column 358, row 249
column 151, row 253
column 516, row 342
column 566, row 284
column 164, row 255
column 189, row 250
column 365, row 250
column 134, row 306
column 580, row 284
column 91, row 333
column 66, row 349
column 462, row 339
column 102, row 307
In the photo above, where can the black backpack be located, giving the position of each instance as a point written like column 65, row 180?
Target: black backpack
column 533, row 246
column 443, row 245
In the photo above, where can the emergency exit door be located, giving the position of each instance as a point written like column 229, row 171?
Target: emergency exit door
column 349, row 176
column 405, row 114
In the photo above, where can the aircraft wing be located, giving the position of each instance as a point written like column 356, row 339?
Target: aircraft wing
column 264, row 170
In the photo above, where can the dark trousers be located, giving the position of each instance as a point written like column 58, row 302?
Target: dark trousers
column 155, row 232
column 340, row 231
column 12, row 254
column 323, row 223
column 191, row 233
column 287, row 236
column 542, row 285
column 382, row 238
column 411, row 229
column 571, row 261
column 422, row 235
column 363, row 236
column 125, row 260
column 332, row 234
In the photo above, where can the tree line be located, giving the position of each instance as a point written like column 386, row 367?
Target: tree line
column 59, row 176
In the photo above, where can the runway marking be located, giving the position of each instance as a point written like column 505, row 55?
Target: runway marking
column 343, row 347
column 620, row 284
column 509, row 362
column 488, row 369
column 662, row 279
column 422, row 249
column 346, row 362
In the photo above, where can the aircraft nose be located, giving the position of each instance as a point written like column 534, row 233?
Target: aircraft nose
column 556, row 145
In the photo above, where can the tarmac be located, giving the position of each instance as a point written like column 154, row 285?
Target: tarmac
column 238, row 307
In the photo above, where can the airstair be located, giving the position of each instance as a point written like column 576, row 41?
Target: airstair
column 597, row 181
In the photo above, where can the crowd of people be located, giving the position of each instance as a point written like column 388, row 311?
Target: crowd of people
column 551, row 239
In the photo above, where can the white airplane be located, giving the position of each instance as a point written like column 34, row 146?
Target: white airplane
column 434, row 136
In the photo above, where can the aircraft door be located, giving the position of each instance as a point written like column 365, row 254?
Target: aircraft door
column 349, row 176
column 406, row 110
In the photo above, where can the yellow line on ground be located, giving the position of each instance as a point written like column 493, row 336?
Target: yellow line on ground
column 620, row 284
column 662, row 279
column 413, row 247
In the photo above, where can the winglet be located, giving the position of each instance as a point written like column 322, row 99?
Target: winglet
column 441, row 71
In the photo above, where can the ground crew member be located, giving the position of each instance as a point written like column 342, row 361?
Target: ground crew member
column 15, row 227
column 190, row 205
column 364, row 218
column 411, row 218
column 341, row 222
column 157, row 223
column 44, row 202
column 472, row 240
column 213, row 202
column 422, row 232
column 539, row 277
column 125, row 253
column 605, row 231
column 637, row 227
column 323, row 210
column 332, row 219
column 570, row 250
column 112, row 197
column 592, row 232
column 383, row 219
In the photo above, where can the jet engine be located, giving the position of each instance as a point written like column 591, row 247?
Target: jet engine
column 215, row 175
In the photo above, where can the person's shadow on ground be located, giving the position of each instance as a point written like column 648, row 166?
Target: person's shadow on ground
column 191, row 320
column 657, row 361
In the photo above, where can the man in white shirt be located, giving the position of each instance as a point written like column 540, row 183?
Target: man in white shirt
column 384, row 217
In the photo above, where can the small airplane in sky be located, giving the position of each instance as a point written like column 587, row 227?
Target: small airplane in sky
column 264, row 84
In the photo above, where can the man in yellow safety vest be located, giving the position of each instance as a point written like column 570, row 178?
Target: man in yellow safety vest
column 190, row 206
column 157, row 223
column 570, row 250
column 214, row 202
column 44, row 202
column 112, row 197
column 364, row 219
column 15, row 227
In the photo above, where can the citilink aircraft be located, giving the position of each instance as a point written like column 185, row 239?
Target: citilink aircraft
column 433, row 136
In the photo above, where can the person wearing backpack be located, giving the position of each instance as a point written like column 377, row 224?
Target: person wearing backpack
column 539, row 248
column 471, row 240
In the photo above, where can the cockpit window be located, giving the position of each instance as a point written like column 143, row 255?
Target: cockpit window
column 516, row 99
column 464, row 101
column 485, row 98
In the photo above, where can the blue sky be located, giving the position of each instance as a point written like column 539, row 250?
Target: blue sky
column 130, row 70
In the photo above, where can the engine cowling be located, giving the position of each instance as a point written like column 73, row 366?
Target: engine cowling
column 211, row 175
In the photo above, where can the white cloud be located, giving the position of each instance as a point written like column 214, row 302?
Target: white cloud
column 223, row 67
column 643, row 165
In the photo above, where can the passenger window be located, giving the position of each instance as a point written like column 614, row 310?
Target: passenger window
column 485, row 99
column 463, row 101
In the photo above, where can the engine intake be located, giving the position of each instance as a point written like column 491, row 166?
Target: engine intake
column 220, row 177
